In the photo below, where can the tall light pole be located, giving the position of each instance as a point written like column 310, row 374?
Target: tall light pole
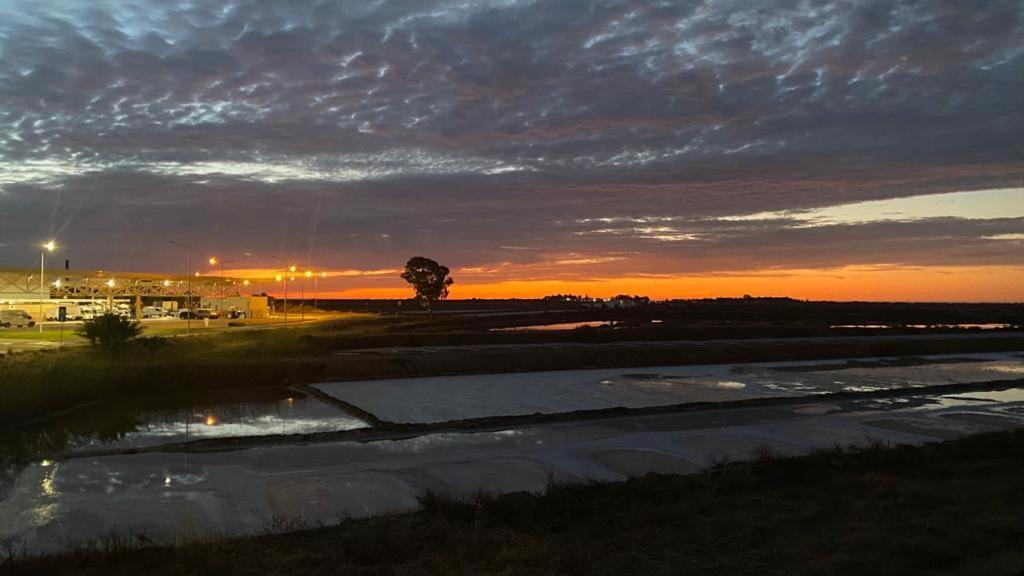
column 213, row 262
column 48, row 247
column 284, row 277
column 188, row 290
column 287, row 279
column 110, row 296
column 315, row 278
column 306, row 274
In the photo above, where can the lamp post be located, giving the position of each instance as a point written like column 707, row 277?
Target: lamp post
column 213, row 262
column 48, row 247
column 306, row 274
column 56, row 284
column 315, row 292
column 110, row 296
column 287, row 279
column 188, row 294
column 278, row 278
column 284, row 277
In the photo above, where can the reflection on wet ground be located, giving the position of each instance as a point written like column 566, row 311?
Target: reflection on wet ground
column 46, row 503
column 438, row 399
column 549, row 327
column 165, row 494
column 161, row 420
column 927, row 326
column 293, row 414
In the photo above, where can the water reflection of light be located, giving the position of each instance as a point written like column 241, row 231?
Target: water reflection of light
column 449, row 439
column 46, row 485
column 45, row 514
column 1007, row 368
column 1010, row 395
column 550, row 327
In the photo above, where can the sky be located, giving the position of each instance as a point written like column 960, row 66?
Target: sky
column 862, row 149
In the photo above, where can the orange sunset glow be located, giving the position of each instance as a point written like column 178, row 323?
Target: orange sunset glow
column 860, row 283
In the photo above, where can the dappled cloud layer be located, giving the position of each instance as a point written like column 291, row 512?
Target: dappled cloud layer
column 679, row 148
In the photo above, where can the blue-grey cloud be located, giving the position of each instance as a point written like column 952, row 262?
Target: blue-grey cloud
column 366, row 130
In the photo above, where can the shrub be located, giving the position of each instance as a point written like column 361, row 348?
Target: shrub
column 437, row 503
column 149, row 344
column 110, row 332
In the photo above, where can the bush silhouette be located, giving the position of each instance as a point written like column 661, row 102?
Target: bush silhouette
column 110, row 332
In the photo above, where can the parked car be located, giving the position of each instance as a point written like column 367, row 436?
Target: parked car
column 198, row 314
column 16, row 318
column 123, row 310
column 153, row 312
column 234, row 313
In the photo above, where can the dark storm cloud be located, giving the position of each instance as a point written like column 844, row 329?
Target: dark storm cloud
column 363, row 131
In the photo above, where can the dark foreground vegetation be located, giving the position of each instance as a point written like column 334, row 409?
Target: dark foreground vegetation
column 950, row 508
column 43, row 384
column 724, row 311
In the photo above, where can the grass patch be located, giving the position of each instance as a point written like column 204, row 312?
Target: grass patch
column 44, row 336
column 950, row 508
column 34, row 384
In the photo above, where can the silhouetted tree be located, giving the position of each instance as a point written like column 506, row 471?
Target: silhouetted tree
column 429, row 279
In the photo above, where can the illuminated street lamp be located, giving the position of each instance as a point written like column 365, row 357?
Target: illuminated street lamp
column 213, row 262
column 48, row 247
column 110, row 296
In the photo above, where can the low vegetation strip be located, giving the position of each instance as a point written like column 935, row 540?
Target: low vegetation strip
column 39, row 384
column 949, row 508
column 452, row 361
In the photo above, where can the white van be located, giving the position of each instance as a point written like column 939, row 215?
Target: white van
column 16, row 318
column 73, row 311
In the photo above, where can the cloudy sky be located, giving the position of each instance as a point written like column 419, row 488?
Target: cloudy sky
column 850, row 149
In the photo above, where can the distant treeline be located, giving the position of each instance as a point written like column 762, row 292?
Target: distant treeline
column 587, row 298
